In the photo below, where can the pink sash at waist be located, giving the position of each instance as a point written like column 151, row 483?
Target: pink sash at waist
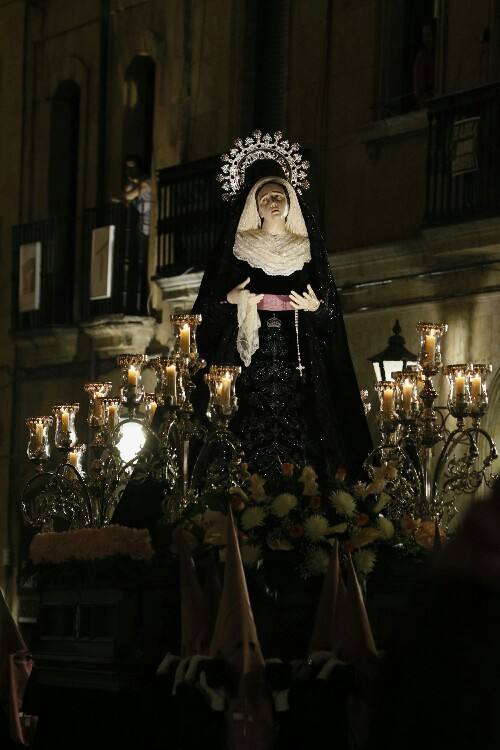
column 274, row 302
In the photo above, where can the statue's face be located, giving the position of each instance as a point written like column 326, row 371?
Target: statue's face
column 272, row 202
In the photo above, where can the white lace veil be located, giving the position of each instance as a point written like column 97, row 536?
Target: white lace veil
column 250, row 218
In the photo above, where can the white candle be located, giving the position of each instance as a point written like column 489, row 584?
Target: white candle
column 172, row 381
column 226, row 390
column 65, row 421
column 407, row 394
column 152, row 407
column 185, row 339
column 39, row 434
column 430, row 348
column 133, row 375
column 112, row 415
column 475, row 388
column 459, row 385
column 387, row 401
column 73, row 459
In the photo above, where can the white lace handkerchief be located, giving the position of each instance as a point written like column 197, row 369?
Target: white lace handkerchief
column 248, row 327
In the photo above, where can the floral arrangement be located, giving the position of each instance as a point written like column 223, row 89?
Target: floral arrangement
column 417, row 536
column 91, row 544
column 292, row 513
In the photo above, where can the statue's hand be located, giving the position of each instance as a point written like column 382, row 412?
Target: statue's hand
column 234, row 295
column 307, row 301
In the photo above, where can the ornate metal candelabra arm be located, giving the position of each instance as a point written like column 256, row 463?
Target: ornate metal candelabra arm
column 431, row 487
column 57, row 494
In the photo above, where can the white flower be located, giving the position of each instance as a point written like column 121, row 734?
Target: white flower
column 386, row 527
column 250, row 554
column 252, row 517
column 343, row 503
column 364, row 560
column 283, row 504
column 316, row 527
column 315, row 563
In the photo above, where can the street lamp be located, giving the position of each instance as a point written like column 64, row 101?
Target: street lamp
column 394, row 358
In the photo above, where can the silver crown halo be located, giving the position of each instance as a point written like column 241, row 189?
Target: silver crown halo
column 262, row 146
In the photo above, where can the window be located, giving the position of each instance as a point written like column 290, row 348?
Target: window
column 405, row 68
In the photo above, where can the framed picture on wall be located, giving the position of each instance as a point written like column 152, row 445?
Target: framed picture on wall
column 30, row 271
column 101, row 262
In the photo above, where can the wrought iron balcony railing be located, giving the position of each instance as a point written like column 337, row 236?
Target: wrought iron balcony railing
column 115, row 262
column 42, row 275
column 191, row 215
column 463, row 159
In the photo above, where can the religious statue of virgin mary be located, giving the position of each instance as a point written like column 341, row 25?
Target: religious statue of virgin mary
column 269, row 303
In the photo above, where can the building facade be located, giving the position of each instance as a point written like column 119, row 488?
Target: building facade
column 372, row 89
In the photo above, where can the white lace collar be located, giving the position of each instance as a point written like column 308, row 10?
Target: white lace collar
column 276, row 254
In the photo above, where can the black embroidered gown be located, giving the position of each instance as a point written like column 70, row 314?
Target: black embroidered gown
column 316, row 418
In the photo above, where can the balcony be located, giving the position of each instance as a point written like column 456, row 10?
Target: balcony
column 463, row 159
column 123, row 253
column 191, row 215
column 104, row 291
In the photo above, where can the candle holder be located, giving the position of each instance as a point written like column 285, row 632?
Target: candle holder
column 218, row 464
column 170, row 383
column 478, row 376
column 407, row 402
column 221, row 381
column 387, row 417
column 65, row 435
column 75, row 458
column 151, row 404
column 96, row 392
column 459, row 395
column 185, row 326
column 430, row 346
column 38, row 442
column 111, row 413
column 132, row 390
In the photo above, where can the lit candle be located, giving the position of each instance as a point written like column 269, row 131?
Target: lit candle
column 226, row 390
column 172, row 381
column 133, row 375
column 112, row 415
column 459, row 385
column 73, row 459
column 387, row 401
column 475, row 388
column 218, row 393
column 430, row 348
column 185, row 339
column 65, row 421
column 407, row 394
column 152, row 407
column 39, row 434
